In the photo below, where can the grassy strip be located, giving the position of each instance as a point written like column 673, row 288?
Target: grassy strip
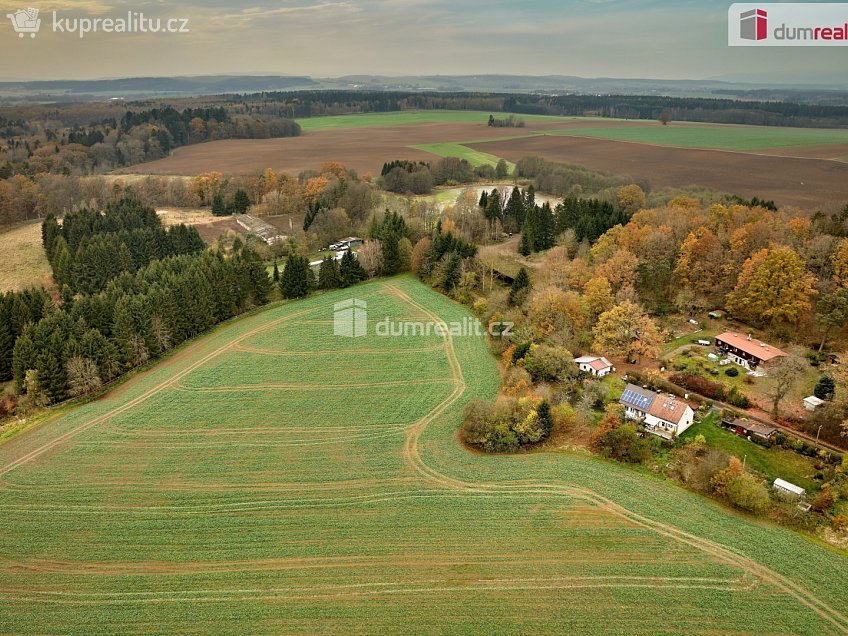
column 713, row 136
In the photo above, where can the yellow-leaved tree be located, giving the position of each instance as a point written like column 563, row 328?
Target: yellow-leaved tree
column 626, row 331
column 773, row 289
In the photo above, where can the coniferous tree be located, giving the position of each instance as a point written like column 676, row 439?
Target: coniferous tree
column 329, row 275
column 218, row 206
column 294, row 281
column 484, row 199
column 520, row 287
column 525, row 247
column 351, row 270
column 241, row 202
column 276, row 276
column 452, row 271
column 546, row 421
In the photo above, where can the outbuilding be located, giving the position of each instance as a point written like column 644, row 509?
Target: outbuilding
column 785, row 488
column 595, row 365
column 811, row 403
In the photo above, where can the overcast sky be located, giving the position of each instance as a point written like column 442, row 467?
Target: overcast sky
column 684, row 39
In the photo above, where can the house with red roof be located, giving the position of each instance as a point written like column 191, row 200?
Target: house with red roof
column 595, row 365
column 746, row 351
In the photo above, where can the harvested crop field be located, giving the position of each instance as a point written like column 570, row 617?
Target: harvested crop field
column 363, row 148
column 272, row 477
column 812, row 184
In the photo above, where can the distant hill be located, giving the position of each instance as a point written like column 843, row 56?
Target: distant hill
column 151, row 86
column 141, row 87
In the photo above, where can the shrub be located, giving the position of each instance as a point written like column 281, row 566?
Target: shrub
column 736, row 398
column 507, row 424
column 747, row 492
column 732, row 372
column 547, row 363
column 699, row 384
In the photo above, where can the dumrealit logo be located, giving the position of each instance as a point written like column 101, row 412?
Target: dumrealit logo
column 753, row 25
column 350, row 318
column 788, row 24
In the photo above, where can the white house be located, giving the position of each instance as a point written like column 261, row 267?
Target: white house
column 664, row 415
column 811, row 403
column 669, row 416
column 595, row 365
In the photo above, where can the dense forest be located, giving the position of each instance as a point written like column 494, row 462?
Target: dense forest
column 130, row 291
column 86, row 139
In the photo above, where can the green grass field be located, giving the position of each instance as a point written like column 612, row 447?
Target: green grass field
column 717, row 136
column 474, row 157
column 399, row 118
column 272, row 477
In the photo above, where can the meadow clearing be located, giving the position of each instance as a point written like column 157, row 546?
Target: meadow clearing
column 271, row 476
column 24, row 262
column 793, row 166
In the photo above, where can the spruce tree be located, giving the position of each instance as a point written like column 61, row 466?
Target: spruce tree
column 484, row 198
column 520, row 287
column 525, row 247
column 218, row 207
column 451, row 272
column 294, row 281
column 276, row 276
column 546, row 420
column 241, row 202
column 329, row 276
column 351, row 270
column 392, row 261
column 825, row 388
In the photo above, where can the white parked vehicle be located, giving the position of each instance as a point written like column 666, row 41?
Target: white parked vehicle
column 724, row 363
column 705, row 343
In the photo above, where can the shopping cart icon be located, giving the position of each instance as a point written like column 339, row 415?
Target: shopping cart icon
column 25, row 21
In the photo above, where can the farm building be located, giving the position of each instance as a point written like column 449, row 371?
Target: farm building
column 260, row 228
column 747, row 428
column 663, row 415
column 595, row 365
column 785, row 488
column 745, row 351
column 812, row 402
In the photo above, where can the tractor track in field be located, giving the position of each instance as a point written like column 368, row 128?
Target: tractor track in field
column 411, row 454
column 307, row 386
column 379, row 588
column 68, row 435
column 443, row 486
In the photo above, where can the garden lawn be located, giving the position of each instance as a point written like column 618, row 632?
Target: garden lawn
column 772, row 462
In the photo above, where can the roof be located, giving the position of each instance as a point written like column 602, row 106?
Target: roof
column 598, row 363
column 785, row 485
column 815, row 401
column 638, row 397
column 753, row 427
column 669, row 409
column 756, row 348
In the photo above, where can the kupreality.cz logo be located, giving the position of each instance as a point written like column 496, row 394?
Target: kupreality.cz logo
column 788, row 24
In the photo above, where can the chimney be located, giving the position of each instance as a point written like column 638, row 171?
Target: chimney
column 749, row 337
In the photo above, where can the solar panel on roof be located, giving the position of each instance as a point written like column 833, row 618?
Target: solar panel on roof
column 636, row 399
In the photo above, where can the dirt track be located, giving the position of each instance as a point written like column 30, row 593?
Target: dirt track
column 811, row 184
